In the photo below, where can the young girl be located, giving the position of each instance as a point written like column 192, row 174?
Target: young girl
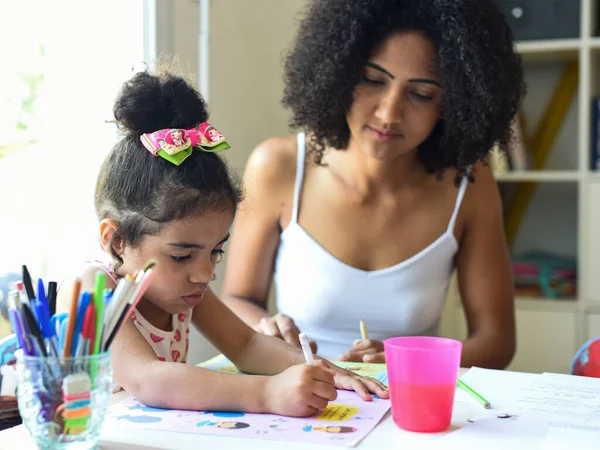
column 383, row 194
column 176, row 206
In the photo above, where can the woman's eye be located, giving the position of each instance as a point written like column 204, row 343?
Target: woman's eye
column 421, row 96
column 180, row 258
column 372, row 81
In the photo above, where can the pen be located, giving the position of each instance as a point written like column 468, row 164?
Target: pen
column 306, row 349
column 84, row 302
column 27, row 282
column 41, row 295
column 38, row 339
column 44, row 320
column 363, row 331
column 83, row 344
column 91, row 329
column 73, row 317
column 24, row 299
column 19, row 326
column 52, row 290
column 474, row 394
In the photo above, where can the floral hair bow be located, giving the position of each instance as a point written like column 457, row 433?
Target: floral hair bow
column 176, row 144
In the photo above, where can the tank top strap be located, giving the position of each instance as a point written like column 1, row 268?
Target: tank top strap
column 301, row 154
column 459, row 198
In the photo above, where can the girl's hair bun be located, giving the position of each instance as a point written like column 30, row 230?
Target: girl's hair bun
column 150, row 102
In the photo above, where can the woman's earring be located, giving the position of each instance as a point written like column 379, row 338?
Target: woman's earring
column 214, row 277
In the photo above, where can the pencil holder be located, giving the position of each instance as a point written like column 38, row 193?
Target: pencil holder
column 63, row 401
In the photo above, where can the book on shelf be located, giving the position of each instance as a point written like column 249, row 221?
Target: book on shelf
column 544, row 274
column 595, row 138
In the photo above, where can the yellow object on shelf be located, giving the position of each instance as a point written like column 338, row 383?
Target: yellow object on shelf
column 541, row 144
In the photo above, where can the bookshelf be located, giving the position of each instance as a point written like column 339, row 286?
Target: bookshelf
column 563, row 215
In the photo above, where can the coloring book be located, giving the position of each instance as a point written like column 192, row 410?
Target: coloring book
column 344, row 422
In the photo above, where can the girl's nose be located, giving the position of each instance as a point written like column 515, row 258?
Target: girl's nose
column 202, row 272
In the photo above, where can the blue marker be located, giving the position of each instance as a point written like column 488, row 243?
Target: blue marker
column 83, row 304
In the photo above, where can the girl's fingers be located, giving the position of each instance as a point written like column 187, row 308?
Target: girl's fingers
column 325, row 390
column 361, row 389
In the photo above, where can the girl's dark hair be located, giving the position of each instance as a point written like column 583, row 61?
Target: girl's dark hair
column 482, row 76
column 141, row 192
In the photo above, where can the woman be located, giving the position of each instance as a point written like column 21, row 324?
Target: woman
column 367, row 213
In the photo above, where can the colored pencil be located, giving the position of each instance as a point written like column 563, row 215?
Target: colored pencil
column 474, row 394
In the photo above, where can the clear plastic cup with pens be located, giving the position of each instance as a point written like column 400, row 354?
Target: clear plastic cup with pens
column 64, row 375
column 63, row 401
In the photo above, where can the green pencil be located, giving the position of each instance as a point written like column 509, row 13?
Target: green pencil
column 478, row 397
column 99, row 309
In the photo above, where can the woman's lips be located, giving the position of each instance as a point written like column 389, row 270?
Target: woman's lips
column 384, row 135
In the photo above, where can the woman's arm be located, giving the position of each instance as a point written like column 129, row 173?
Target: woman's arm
column 268, row 189
column 485, row 278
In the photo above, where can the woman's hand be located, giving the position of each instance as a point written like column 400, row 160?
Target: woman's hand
column 348, row 380
column 300, row 390
column 367, row 351
column 283, row 327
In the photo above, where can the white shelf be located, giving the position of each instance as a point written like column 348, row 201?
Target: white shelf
column 595, row 43
column 593, row 176
column 549, row 50
column 546, row 304
column 539, row 175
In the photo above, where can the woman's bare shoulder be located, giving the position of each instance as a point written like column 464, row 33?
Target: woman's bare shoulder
column 272, row 162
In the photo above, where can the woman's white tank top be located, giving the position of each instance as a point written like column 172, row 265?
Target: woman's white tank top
column 327, row 298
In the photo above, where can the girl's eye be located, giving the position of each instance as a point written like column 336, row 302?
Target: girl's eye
column 181, row 258
column 219, row 254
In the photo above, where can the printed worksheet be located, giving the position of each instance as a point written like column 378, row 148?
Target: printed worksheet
column 343, row 422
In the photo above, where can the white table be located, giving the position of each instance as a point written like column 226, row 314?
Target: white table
column 385, row 436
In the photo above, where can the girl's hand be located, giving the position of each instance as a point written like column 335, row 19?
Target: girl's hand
column 367, row 351
column 348, row 380
column 300, row 390
column 283, row 327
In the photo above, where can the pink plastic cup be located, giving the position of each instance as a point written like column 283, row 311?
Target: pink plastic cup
column 422, row 373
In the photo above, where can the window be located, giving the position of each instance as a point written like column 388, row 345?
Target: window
column 64, row 62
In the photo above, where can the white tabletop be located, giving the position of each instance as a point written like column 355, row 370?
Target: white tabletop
column 385, row 436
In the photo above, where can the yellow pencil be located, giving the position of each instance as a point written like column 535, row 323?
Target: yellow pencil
column 363, row 331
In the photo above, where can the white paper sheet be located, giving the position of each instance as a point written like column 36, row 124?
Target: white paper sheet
column 531, row 411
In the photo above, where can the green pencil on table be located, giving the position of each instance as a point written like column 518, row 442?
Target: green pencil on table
column 474, row 394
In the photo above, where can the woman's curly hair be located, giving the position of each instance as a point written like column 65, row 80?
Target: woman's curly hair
column 481, row 74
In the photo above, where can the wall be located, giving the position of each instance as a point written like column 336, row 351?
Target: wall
column 248, row 40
